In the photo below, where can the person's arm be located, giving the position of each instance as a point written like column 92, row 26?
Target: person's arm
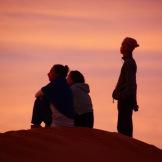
column 39, row 94
column 51, row 91
column 75, row 96
column 116, row 91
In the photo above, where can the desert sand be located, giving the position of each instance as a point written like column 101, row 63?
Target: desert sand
column 74, row 145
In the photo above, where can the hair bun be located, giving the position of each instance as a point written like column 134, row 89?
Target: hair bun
column 66, row 68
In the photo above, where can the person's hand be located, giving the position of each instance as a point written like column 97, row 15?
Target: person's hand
column 135, row 107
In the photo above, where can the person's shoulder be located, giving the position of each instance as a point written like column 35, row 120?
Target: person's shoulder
column 74, row 87
column 133, row 62
column 84, row 87
column 130, row 62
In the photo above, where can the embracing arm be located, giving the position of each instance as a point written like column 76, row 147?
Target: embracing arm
column 39, row 94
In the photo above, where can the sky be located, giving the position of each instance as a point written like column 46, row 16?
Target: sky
column 86, row 35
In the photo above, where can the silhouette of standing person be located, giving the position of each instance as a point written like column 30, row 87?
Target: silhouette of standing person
column 126, row 89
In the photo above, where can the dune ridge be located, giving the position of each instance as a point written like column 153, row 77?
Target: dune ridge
column 74, row 145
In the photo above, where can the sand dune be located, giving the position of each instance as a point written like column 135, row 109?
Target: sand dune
column 74, row 145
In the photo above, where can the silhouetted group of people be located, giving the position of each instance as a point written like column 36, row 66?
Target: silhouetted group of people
column 65, row 100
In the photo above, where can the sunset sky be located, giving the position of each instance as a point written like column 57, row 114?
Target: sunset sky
column 86, row 35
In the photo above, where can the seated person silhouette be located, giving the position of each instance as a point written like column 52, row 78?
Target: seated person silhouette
column 54, row 102
column 82, row 101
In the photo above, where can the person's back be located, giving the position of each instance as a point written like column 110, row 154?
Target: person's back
column 82, row 101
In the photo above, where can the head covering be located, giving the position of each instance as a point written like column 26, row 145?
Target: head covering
column 130, row 42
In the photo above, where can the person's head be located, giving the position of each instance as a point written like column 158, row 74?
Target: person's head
column 128, row 45
column 58, row 70
column 75, row 77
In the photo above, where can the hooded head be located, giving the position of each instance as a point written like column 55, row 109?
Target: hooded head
column 75, row 77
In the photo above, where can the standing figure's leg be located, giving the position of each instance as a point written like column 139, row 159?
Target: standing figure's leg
column 125, row 123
